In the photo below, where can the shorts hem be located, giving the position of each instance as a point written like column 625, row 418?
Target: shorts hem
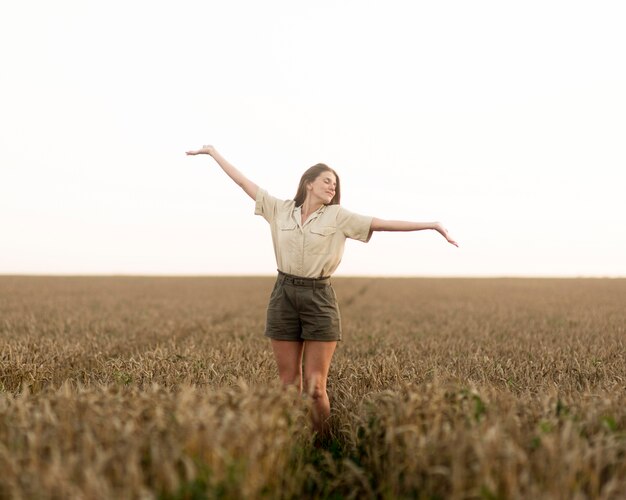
column 302, row 338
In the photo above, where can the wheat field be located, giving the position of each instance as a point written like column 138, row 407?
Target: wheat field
column 165, row 388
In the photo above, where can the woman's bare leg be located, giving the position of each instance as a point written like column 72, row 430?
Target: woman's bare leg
column 288, row 355
column 317, row 357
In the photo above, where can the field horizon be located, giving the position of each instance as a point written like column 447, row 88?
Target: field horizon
column 336, row 276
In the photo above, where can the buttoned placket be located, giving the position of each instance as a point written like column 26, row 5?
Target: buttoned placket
column 297, row 214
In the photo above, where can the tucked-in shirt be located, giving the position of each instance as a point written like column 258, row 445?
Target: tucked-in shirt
column 315, row 248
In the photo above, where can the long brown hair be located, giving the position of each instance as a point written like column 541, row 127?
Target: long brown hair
column 309, row 176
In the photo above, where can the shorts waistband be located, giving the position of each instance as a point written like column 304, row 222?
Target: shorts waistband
column 290, row 279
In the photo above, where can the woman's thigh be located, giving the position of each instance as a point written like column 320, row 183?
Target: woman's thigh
column 288, row 355
column 317, row 358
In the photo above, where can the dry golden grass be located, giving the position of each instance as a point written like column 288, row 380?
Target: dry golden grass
column 442, row 388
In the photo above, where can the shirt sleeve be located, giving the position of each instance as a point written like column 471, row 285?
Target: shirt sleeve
column 355, row 226
column 266, row 205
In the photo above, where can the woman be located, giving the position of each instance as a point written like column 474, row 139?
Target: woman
column 309, row 234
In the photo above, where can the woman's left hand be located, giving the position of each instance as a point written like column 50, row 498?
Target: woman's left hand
column 444, row 232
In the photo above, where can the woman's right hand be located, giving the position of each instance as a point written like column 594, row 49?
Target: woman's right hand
column 207, row 149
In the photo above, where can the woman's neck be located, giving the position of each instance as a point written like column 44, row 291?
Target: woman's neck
column 308, row 207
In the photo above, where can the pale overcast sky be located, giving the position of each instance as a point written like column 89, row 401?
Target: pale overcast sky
column 504, row 120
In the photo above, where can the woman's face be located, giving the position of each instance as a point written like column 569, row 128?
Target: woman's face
column 323, row 187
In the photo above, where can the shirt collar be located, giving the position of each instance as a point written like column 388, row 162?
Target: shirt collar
column 298, row 214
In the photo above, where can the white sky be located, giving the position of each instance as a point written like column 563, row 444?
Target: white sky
column 504, row 120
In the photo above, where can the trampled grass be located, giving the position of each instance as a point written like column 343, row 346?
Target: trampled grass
column 442, row 388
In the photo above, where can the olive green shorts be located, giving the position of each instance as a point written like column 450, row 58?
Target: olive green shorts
column 303, row 309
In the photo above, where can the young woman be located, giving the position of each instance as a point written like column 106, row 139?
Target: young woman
column 309, row 233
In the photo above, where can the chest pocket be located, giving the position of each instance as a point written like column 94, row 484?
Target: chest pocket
column 287, row 234
column 287, row 225
column 320, row 239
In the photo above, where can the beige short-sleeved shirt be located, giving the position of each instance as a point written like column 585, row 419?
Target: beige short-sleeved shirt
column 313, row 249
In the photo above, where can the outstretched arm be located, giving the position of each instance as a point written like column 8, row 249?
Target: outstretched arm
column 241, row 180
column 401, row 225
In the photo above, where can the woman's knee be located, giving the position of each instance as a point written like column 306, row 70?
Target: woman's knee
column 316, row 386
